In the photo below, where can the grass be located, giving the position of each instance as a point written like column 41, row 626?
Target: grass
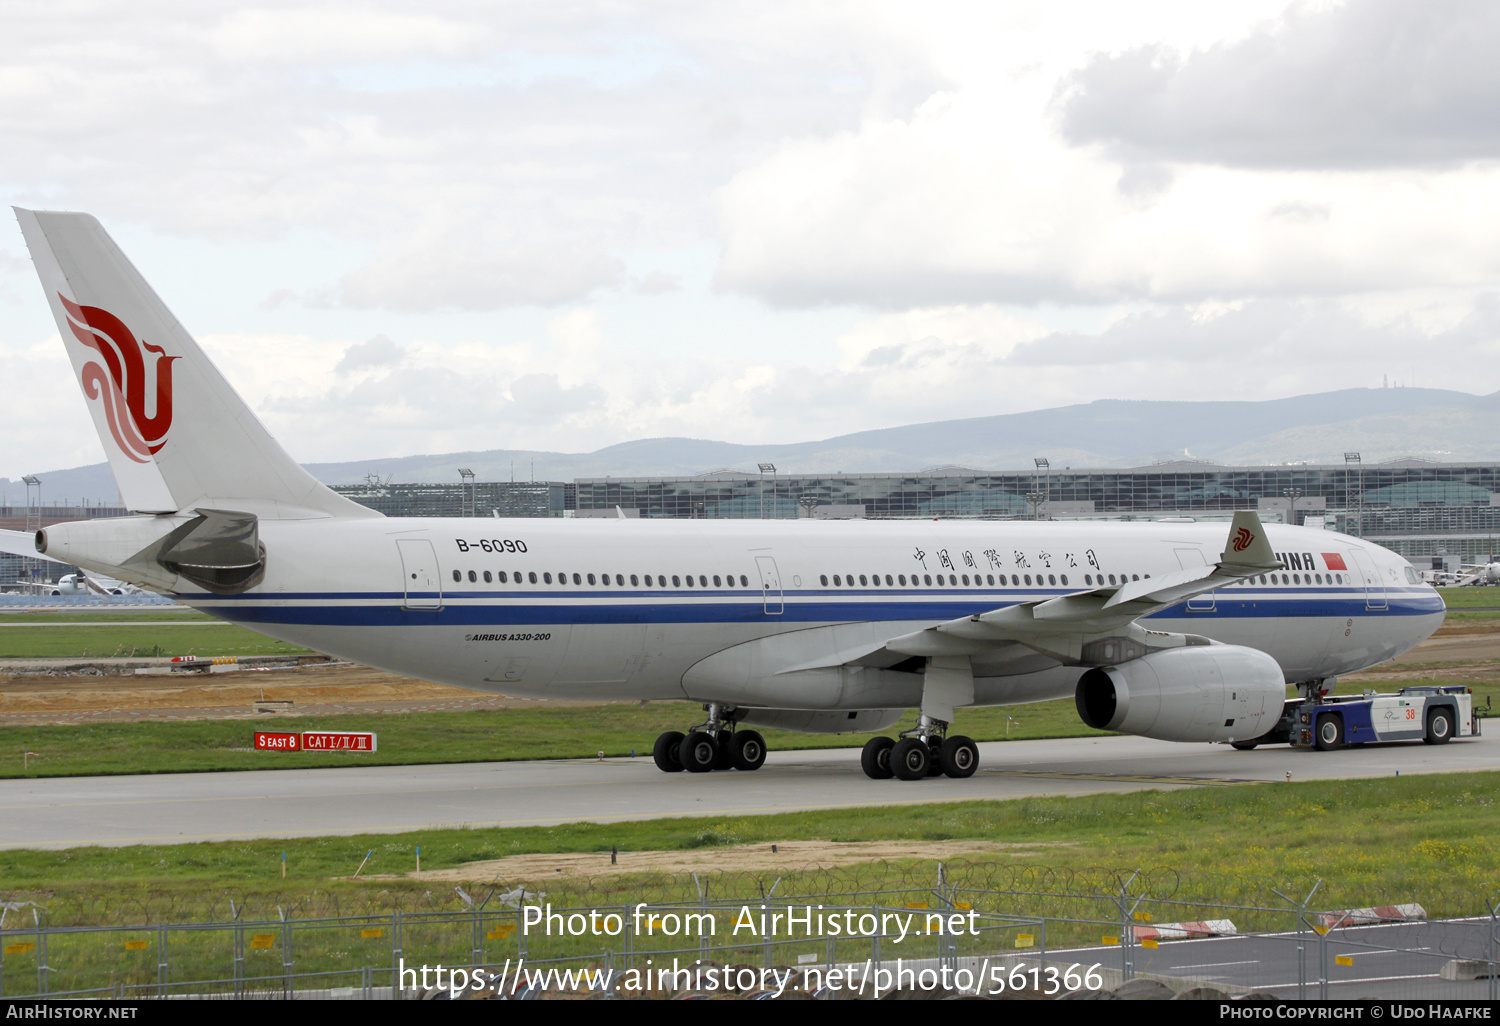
column 564, row 732
column 167, row 613
column 495, row 735
column 1203, row 853
column 102, row 641
column 1426, row 838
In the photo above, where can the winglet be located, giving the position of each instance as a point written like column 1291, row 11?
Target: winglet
column 1248, row 545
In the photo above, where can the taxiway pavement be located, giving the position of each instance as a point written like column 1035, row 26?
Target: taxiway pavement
column 62, row 812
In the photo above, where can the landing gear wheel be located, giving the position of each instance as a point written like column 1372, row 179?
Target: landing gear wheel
column 747, row 750
column 959, row 756
column 1243, row 746
column 724, row 759
column 934, row 756
column 911, row 759
column 1330, row 733
column 1439, row 727
column 665, row 752
column 875, row 760
column 698, row 752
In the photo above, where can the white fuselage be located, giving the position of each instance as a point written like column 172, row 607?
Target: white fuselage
column 563, row 608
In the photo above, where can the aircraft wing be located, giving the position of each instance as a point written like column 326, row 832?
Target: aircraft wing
column 1097, row 625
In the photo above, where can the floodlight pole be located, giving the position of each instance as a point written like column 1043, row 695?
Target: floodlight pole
column 766, row 468
column 1292, row 495
column 1045, row 464
column 1354, row 457
column 470, row 499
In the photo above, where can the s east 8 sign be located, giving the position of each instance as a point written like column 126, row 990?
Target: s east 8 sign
column 315, row 741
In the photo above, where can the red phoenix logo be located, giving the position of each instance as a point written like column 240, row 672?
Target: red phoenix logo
column 1243, row 539
column 122, row 387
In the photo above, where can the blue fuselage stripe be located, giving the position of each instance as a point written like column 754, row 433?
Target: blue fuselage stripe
column 491, row 608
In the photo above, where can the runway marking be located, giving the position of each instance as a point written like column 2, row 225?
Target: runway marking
column 1213, row 965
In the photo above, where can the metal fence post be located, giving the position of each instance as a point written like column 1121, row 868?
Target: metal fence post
column 1323, row 965
column 1494, row 952
column 287, row 984
column 396, row 990
column 162, row 955
column 239, row 959
column 41, row 958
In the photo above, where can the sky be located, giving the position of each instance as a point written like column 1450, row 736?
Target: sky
column 410, row 228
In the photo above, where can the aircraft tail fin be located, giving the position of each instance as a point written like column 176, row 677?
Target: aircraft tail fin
column 178, row 437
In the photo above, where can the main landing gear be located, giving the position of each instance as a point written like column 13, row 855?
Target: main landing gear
column 927, row 750
column 712, row 745
column 921, row 752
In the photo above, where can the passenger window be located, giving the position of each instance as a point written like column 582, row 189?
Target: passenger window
column 634, row 581
column 863, row 583
column 591, row 578
column 702, row 581
column 823, row 579
column 838, row 582
column 676, row 581
column 990, row 578
column 716, row 581
column 546, row 578
column 1028, row 580
column 620, row 580
column 927, row 579
column 1065, row 580
column 457, row 576
column 500, row 576
column 1111, row 578
column 744, row 581
column 486, row 577
column 689, row 580
column 901, row 579
column 473, row 577
column 1052, row 579
column 532, row 575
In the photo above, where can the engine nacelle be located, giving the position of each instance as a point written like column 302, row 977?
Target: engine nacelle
column 1198, row 693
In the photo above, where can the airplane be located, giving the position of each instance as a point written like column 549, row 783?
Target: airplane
column 20, row 543
column 1178, row 631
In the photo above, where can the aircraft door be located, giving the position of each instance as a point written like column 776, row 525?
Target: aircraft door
column 770, row 585
column 1369, row 576
column 423, row 584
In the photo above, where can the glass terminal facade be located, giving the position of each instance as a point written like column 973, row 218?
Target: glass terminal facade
column 483, row 498
column 1416, row 507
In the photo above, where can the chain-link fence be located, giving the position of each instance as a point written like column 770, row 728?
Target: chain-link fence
column 1066, row 933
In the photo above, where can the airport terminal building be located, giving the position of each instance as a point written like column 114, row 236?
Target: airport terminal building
column 1419, row 508
column 1413, row 506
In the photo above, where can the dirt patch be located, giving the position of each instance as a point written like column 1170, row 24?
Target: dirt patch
column 790, row 856
column 311, row 690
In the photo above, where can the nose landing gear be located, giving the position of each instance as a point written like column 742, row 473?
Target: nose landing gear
column 712, row 745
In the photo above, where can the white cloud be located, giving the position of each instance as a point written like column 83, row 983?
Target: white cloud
column 914, row 223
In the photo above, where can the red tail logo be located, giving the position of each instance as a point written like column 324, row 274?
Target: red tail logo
column 122, row 386
column 1242, row 539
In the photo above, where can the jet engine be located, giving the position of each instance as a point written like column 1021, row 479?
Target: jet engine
column 1197, row 693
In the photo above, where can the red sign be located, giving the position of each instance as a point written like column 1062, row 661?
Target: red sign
column 337, row 741
column 315, row 741
column 277, row 742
